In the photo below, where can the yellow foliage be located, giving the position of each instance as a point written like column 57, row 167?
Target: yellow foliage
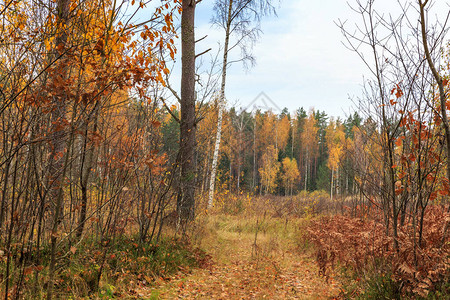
column 269, row 169
column 309, row 137
column 290, row 173
column 282, row 133
column 335, row 137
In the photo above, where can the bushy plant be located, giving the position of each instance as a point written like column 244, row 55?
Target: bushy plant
column 106, row 269
column 363, row 245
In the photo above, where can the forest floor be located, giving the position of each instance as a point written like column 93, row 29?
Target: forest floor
column 279, row 265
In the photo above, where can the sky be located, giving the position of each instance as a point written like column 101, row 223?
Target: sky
column 300, row 58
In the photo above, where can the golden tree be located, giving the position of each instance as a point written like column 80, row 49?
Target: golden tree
column 282, row 132
column 269, row 169
column 335, row 137
column 290, row 174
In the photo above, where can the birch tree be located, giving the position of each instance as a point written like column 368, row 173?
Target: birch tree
column 290, row 174
column 269, row 169
column 239, row 19
column 335, row 137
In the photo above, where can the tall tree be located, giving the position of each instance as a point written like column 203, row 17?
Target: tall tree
column 335, row 138
column 57, row 168
column 400, row 90
column 321, row 158
column 240, row 18
column 441, row 81
column 269, row 169
column 282, row 128
column 310, row 146
column 186, row 198
column 290, row 174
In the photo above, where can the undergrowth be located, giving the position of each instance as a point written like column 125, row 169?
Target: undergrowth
column 371, row 267
column 110, row 269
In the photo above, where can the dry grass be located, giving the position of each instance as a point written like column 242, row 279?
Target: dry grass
column 255, row 255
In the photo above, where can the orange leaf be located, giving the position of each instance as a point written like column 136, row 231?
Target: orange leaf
column 28, row 270
column 399, row 92
column 433, row 196
column 444, row 192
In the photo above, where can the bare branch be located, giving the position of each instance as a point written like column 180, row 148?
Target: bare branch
column 169, row 110
column 204, row 52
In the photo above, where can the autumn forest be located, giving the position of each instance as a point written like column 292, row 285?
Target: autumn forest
column 127, row 173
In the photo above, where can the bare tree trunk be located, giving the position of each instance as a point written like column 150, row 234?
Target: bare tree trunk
column 306, row 171
column 388, row 143
column 346, row 184
column 293, row 140
column 239, row 163
column 276, row 135
column 57, row 144
column 332, row 181
column 442, row 96
column 239, row 160
column 85, row 171
column 221, row 106
column 186, row 201
column 254, row 155
column 230, row 177
column 337, row 182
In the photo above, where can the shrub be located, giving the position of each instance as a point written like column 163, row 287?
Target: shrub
column 106, row 269
column 361, row 244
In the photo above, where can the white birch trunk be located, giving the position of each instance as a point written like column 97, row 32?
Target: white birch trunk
column 306, row 171
column 338, row 182
column 254, row 155
column 332, row 181
column 221, row 105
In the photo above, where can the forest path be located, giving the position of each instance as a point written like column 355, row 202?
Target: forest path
column 276, row 268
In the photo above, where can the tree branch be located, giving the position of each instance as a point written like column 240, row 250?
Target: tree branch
column 201, row 39
column 204, row 52
column 169, row 110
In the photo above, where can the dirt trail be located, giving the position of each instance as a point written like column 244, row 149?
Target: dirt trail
column 274, row 269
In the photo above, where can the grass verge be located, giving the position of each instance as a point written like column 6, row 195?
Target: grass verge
column 107, row 269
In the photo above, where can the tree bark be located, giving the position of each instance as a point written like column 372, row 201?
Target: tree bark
column 221, row 105
column 186, row 201
column 442, row 96
column 56, row 167
column 306, row 172
column 87, row 163
column 254, row 155
column 332, row 181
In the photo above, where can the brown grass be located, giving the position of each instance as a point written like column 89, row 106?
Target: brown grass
column 255, row 254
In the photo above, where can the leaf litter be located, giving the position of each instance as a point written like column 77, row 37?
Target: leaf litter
column 277, row 269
